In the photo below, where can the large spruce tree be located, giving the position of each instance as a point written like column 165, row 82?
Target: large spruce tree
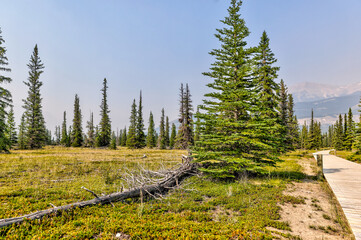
column 140, row 135
column 151, row 140
column 172, row 136
column 34, row 119
column 292, row 124
column 77, row 134
column 104, row 136
column 5, row 98
column 266, row 101
column 229, row 142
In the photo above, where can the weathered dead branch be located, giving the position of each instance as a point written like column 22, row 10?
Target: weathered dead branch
column 169, row 180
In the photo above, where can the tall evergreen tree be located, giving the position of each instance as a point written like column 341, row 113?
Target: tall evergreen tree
column 77, row 133
column 140, row 136
column 185, row 136
column 35, row 124
column 64, row 132
column 132, row 131
column 350, row 131
column 266, row 88
column 304, row 136
column 167, row 131
column 292, row 125
column 229, row 142
column 11, row 128
column 172, row 136
column 91, row 133
column 104, row 136
column 124, row 137
column 338, row 135
column 5, row 98
column 151, row 140
column 312, row 134
column 161, row 138
column 283, row 115
column 22, row 133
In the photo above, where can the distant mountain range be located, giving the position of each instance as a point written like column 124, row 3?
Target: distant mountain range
column 327, row 101
column 307, row 91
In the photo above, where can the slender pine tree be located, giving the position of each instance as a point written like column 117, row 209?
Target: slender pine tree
column 35, row 124
column 77, row 133
column 151, row 140
column 350, row 132
column 5, row 98
column 283, row 115
column 140, row 135
column 91, row 133
column 11, row 128
column 22, row 133
column 167, row 131
column 104, row 136
column 132, row 131
column 161, row 138
column 64, row 132
column 292, row 124
column 124, row 137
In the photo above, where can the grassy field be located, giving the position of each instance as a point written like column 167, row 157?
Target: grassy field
column 204, row 209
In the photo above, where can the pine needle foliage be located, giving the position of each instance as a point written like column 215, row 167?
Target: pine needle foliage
column 91, row 132
column 65, row 140
column 77, row 133
column 140, row 135
column 5, row 98
column 35, row 125
column 132, row 131
column 151, row 138
column 104, row 136
column 230, row 143
column 161, row 138
column 11, row 128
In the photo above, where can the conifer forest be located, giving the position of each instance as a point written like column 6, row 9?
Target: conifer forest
column 222, row 169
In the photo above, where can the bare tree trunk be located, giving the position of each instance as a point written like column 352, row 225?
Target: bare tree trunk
column 187, row 169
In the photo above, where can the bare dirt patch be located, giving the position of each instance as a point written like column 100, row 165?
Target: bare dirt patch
column 316, row 218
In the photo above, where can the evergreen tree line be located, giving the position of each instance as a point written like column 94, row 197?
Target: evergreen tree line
column 345, row 134
column 134, row 137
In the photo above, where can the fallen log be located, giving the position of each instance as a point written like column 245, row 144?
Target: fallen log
column 187, row 169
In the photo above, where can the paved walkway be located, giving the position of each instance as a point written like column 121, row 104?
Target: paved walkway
column 344, row 177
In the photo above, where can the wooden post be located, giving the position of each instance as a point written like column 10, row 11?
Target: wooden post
column 319, row 166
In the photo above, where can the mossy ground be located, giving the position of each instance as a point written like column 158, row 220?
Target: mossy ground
column 203, row 209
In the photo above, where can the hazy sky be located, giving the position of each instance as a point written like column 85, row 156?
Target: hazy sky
column 154, row 45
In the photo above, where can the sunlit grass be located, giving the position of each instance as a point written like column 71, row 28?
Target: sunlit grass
column 32, row 180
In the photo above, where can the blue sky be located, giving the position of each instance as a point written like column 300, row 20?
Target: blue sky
column 154, row 45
